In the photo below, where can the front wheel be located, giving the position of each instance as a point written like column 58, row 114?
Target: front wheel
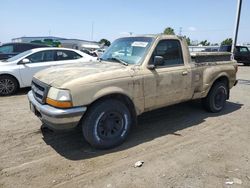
column 216, row 98
column 107, row 124
column 8, row 85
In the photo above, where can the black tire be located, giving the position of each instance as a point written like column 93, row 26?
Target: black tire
column 8, row 85
column 107, row 124
column 216, row 98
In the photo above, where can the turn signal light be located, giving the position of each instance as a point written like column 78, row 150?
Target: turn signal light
column 59, row 104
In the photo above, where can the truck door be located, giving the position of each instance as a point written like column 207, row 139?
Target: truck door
column 170, row 82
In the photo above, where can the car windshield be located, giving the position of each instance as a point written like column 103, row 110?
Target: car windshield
column 18, row 56
column 130, row 50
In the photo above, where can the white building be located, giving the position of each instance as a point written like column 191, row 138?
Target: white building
column 67, row 43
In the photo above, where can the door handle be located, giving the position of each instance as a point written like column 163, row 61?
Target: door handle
column 184, row 73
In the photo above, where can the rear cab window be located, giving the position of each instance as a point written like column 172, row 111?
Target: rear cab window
column 243, row 49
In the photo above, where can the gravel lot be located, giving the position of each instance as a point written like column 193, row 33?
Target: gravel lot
column 181, row 146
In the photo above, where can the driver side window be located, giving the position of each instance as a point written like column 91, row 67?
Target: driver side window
column 44, row 56
column 171, row 52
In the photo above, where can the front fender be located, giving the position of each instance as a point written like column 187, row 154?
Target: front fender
column 87, row 94
column 109, row 91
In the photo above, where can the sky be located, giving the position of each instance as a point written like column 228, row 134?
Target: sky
column 211, row 20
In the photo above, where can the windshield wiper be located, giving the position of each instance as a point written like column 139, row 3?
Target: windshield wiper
column 118, row 60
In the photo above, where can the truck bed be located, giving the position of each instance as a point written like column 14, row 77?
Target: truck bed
column 203, row 57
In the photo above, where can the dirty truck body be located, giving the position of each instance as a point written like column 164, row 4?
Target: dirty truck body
column 135, row 75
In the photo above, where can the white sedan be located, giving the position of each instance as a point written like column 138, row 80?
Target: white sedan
column 17, row 72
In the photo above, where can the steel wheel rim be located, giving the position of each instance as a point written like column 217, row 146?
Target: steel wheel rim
column 219, row 98
column 110, row 125
column 7, row 86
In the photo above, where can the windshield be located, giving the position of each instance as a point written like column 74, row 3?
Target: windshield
column 130, row 50
column 18, row 56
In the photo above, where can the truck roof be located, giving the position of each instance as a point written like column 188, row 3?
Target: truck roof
column 155, row 36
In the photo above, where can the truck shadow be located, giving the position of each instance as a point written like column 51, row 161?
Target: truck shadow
column 23, row 91
column 151, row 125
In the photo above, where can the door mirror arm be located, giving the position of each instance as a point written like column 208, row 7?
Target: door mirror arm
column 151, row 67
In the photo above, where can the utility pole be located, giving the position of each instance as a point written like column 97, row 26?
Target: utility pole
column 236, row 29
column 180, row 31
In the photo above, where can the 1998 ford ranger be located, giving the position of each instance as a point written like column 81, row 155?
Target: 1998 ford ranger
column 135, row 75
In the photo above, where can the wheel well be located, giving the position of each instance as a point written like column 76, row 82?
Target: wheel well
column 124, row 99
column 226, row 81
column 18, row 84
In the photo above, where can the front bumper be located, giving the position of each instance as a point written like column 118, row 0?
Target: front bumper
column 55, row 118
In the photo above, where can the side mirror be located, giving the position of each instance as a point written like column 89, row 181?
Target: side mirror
column 24, row 61
column 158, row 60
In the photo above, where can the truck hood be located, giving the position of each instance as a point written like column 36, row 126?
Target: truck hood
column 60, row 75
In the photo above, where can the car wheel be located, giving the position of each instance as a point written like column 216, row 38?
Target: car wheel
column 107, row 124
column 216, row 98
column 8, row 85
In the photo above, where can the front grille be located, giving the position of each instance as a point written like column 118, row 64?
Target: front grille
column 40, row 90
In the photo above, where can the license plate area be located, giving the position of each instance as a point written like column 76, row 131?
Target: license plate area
column 35, row 111
column 32, row 108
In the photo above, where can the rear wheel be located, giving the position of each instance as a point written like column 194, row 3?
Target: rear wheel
column 216, row 98
column 107, row 124
column 8, row 85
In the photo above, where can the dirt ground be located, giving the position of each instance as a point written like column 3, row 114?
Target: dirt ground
column 181, row 146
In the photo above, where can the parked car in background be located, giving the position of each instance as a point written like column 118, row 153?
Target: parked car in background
column 211, row 49
column 9, row 50
column 91, row 53
column 17, row 72
column 242, row 54
column 99, row 52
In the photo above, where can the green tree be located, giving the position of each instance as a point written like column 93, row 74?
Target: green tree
column 105, row 42
column 227, row 41
column 169, row 31
column 205, row 43
column 187, row 39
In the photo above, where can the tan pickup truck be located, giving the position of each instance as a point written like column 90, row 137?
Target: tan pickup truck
column 135, row 75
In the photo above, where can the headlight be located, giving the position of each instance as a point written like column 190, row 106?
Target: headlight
column 59, row 98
